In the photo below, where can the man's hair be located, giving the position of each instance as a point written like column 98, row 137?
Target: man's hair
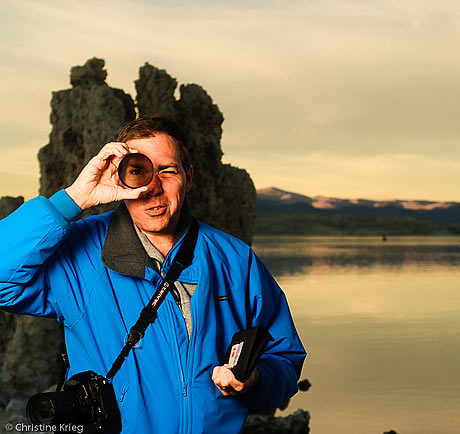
column 149, row 126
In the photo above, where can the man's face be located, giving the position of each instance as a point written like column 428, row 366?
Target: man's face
column 157, row 210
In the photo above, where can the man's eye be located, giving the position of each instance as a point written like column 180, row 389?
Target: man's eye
column 168, row 172
column 136, row 172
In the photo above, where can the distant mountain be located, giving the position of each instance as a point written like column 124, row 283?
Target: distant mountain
column 275, row 200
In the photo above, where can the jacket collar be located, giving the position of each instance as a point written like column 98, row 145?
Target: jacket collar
column 123, row 251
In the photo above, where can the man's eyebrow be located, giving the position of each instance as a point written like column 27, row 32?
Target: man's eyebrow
column 167, row 166
column 136, row 166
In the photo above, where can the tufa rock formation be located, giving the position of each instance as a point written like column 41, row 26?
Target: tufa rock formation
column 296, row 423
column 8, row 204
column 83, row 119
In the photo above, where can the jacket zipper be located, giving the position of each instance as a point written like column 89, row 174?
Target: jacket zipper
column 183, row 379
column 184, row 384
column 190, row 348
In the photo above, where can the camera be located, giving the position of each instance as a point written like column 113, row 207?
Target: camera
column 87, row 399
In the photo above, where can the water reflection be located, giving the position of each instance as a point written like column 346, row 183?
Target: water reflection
column 381, row 324
column 287, row 255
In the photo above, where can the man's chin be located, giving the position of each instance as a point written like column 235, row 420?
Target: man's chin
column 160, row 226
column 155, row 229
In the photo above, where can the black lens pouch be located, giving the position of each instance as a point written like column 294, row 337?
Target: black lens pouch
column 245, row 350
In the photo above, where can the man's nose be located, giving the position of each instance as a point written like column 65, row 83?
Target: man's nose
column 154, row 187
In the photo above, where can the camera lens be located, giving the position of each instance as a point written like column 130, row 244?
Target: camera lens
column 88, row 399
column 41, row 409
column 135, row 170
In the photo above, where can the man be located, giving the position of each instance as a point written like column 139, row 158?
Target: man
column 95, row 275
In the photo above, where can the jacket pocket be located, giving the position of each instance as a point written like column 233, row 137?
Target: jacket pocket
column 122, row 396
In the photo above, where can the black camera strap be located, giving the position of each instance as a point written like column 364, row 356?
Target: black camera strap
column 182, row 260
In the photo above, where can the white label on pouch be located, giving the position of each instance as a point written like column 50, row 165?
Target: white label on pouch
column 235, row 354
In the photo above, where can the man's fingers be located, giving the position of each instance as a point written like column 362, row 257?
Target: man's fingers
column 225, row 381
column 219, row 377
column 98, row 182
column 111, row 154
column 113, row 150
column 226, row 376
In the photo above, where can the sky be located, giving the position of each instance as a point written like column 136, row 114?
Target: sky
column 342, row 98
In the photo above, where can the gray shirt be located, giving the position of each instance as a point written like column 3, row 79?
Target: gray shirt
column 182, row 292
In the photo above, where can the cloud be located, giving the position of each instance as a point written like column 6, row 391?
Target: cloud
column 343, row 78
column 384, row 177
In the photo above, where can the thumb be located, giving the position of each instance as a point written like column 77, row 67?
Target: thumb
column 132, row 193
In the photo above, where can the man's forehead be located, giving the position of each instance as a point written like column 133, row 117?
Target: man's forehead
column 158, row 143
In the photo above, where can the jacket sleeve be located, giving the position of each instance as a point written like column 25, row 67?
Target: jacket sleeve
column 281, row 364
column 28, row 239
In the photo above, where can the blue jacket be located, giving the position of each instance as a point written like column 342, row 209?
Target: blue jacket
column 94, row 277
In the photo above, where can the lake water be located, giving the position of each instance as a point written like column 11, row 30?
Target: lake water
column 381, row 324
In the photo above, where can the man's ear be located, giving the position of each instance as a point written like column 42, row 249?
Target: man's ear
column 189, row 179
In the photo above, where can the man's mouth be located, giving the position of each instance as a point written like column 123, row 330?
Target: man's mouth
column 156, row 210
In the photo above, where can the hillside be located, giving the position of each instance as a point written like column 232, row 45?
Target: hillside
column 283, row 212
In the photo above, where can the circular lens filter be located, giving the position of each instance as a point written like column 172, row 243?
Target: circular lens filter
column 135, row 170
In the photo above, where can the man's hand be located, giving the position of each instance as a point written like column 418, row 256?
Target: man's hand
column 98, row 182
column 225, row 381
